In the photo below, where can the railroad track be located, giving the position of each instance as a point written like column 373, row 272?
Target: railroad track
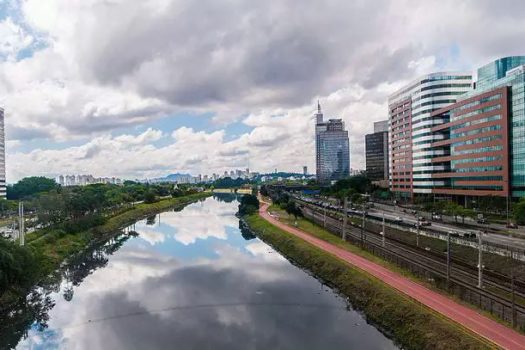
column 460, row 271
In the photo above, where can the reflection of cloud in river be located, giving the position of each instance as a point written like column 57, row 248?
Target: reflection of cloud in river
column 151, row 236
column 264, row 251
column 245, row 297
column 201, row 221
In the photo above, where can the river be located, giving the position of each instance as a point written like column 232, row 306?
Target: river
column 188, row 279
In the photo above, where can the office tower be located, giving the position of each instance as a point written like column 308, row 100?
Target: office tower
column 483, row 137
column 332, row 148
column 305, row 170
column 376, row 152
column 411, row 154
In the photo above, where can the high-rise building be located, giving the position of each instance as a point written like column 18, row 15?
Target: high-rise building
column 376, row 152
column 411, row 121
column 305, row 170
column 484, row 135
column 2, row 155
column 332, row 148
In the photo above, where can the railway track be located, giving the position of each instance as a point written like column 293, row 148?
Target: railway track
column 460, row 271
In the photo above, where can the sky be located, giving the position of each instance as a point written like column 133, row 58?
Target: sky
column 142, row 89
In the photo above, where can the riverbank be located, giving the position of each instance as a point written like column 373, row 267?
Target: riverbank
column 47, row 249
column 409, row 323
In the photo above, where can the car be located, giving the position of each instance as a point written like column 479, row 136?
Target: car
column 425, row 223
column 481, row 221
column 398, row 219
column 436, row 217
column 512, row 225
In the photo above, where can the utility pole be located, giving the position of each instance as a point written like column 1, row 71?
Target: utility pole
column 513, row 297
column 384, row 231
column 363, row 228
column 21, row 234
column 448, row 258
column 417, row 229
column 480, row 260
column 345, row 213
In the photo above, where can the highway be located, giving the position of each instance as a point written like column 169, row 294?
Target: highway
column 410, row 220
column 392, row 213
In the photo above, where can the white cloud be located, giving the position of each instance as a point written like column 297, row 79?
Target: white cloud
column 13, row 38
column 265, row 63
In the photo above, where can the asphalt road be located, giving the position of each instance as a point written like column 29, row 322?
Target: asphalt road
column 392, row 213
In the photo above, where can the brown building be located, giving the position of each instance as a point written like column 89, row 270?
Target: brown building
column 401, row 148
column 476, row 146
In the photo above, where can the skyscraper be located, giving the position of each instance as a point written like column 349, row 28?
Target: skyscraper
column 2, row 155
column 410, row 130
column 484, row 135
column 332, row 148
column 376, row 150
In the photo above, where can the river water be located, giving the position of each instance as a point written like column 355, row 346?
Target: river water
column 190, row 279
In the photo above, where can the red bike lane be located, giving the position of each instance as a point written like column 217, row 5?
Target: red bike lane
column 493, row 331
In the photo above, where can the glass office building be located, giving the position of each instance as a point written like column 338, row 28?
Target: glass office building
column 509, row 72
column 410, row 130
column 376, row 151
column 332, row 149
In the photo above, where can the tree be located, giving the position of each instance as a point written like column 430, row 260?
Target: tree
column 293, row 209
column 519, row 212
column 30, row 186
column 150, row 197
column 453, row 209
column 249, row 204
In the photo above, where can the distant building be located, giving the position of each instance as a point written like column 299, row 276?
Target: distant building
column 305, row 170
column 376, row 151
column 332, row 148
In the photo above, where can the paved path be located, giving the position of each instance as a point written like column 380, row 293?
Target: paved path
column 498, row 334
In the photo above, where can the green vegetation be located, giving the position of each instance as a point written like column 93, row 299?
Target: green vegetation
column 411, row 324
column 248, row 204
column 30, row 186
column 22, row 267
column 519, row 212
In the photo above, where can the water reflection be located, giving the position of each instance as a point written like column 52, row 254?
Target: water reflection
column 193, row 280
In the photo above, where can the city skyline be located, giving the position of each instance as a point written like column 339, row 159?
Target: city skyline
column 80, row 106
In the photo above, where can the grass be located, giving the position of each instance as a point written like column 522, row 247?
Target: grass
column 410, row 324
column 494, row 262
column 319, row 232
